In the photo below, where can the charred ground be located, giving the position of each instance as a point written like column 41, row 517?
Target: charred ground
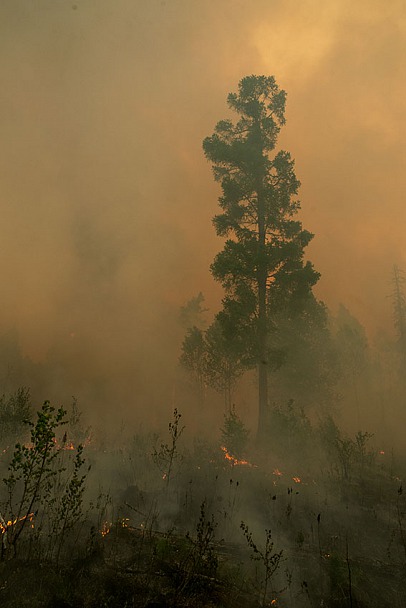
column 171, row 521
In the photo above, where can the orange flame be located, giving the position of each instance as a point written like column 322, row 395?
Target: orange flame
column 4, row 526
column 235, row 461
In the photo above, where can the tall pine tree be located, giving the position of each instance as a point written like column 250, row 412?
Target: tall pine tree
column 263, row 253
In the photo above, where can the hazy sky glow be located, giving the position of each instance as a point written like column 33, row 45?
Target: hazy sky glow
column 106, row 197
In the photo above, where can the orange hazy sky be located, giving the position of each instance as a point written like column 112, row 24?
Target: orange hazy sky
column 106, row 198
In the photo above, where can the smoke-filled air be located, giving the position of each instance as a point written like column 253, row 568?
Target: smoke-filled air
column 203, row 313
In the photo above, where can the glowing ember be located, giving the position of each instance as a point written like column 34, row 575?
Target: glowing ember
column 381, row 452
column 88, row 440
column 66, row 445
column 124, row 522
column 277, row 473
column 297, row 479
column 235, row 461
column 105, row 529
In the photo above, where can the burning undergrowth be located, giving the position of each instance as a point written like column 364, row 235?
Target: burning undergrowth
column 163, row 521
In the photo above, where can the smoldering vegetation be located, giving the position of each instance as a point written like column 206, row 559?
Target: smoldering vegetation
column 167, row 516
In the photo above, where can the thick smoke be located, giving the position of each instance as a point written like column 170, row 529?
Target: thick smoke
column 107, row 199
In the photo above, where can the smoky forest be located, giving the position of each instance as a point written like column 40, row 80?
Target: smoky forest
column 202, row 356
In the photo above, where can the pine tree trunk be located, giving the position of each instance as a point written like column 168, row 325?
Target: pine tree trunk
column 262, row 363
column 262, row 322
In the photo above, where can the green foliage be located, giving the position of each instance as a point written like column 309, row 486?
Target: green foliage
column 31, row 472
column 310, row 367
column 223, row 361
column 69, row 505
column 263, row 253
column 214, row 359
column 234, row 435
column 42, row 490
column 193, row 350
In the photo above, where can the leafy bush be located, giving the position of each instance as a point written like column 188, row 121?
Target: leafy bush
column 40, row 485
column 234, row 435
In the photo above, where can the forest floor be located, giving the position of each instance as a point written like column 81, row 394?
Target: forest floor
column 293, row 525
